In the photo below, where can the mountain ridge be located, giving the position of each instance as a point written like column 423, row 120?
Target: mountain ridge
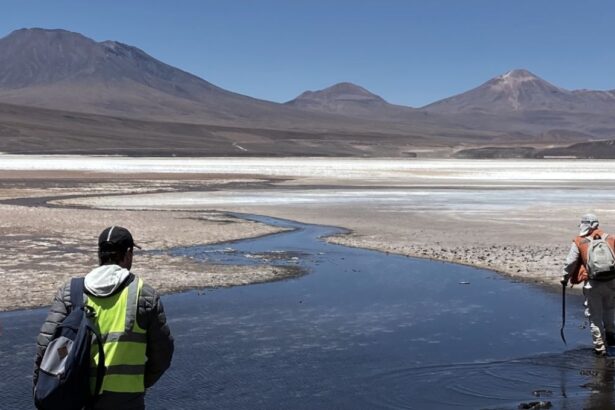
column 348, row 99
column 66, row 70
column 520, row 90
column 71, row 73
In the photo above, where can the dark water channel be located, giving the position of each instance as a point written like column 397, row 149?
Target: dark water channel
column 361, row 330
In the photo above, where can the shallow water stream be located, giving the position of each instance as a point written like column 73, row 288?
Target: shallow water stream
column 362, row 329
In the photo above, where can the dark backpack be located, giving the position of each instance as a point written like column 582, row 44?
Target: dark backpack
column 64, row 376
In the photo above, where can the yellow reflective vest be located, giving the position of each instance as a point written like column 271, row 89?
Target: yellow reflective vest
column 124, row 341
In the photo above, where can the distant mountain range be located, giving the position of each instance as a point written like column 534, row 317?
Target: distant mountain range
column 514, row 92
column 59, row 69
column 63, row 92
column 522, row 91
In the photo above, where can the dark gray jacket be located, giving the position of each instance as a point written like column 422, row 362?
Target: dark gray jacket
column 150, row 316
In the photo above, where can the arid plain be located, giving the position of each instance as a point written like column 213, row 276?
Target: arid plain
column 514, row 217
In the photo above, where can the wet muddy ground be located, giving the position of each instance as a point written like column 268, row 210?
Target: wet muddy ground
column 43, row 245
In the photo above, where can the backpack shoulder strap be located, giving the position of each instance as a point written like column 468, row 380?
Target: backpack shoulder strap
column 581, row 239
column 77, row 288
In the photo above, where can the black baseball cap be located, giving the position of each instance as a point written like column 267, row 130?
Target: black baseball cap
column 115, row 238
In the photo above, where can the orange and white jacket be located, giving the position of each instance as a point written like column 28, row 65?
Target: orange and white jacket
column 576, row 261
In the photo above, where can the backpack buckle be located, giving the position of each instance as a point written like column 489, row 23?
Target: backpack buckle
column 89, row 311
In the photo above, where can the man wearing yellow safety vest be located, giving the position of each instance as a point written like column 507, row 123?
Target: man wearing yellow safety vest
column 138, row 345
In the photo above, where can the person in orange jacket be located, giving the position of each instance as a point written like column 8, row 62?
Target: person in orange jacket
column 599, row 295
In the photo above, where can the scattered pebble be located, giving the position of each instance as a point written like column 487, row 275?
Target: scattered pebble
column 542, row 393
column 536, row 405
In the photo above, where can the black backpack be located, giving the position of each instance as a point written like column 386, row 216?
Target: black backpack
column 64, row 376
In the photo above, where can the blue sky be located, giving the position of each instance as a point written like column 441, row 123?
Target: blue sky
column 409, row 52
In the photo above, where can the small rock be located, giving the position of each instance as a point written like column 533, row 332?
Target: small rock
column 542, row 393
column 536, row 405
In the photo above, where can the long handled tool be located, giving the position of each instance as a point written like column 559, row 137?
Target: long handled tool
column 561, row 331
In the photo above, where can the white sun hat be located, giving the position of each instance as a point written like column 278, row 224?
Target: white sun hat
column 589, row 222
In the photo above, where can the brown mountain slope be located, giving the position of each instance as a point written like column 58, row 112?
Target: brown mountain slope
column 59, row 69
column 522, row 91
column 350, row 100
column 68, row 93
column 30, row 130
